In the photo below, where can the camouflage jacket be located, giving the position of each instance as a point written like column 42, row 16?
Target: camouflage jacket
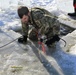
column 43, row 21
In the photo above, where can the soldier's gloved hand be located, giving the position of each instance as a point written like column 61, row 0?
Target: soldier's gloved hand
column 41, row 40
column 22, row 39
column 49, row 42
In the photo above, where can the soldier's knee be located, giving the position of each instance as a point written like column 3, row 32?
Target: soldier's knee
column 33, row 35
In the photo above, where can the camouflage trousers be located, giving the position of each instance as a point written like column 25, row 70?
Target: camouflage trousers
column 33, row 35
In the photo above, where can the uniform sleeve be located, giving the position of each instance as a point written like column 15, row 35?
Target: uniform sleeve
column 25, row 28
column 46, row 25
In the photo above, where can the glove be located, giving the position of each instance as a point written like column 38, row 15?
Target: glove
column 51, row 41
column 22, row 39
column 41, row 40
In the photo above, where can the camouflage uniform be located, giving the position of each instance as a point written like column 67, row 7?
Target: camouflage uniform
column 44, row 21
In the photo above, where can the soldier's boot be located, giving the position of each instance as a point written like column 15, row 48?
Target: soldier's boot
column 51, row 42
column 72, row 14
column 53, row 45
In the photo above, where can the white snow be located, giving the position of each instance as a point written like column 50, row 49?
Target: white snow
column 9, row 20
column 65, row 5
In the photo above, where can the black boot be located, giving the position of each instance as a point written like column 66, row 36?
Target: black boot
column 53, row 40
column 22, row 39
column 72, row 14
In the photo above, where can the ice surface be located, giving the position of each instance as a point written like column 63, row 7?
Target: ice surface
column 9, row 20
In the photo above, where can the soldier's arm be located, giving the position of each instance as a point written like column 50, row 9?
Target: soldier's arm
column 24, row 33
column 25, row 29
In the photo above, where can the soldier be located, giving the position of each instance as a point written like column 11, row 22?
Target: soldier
column 73, row 14
column 44, row 23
